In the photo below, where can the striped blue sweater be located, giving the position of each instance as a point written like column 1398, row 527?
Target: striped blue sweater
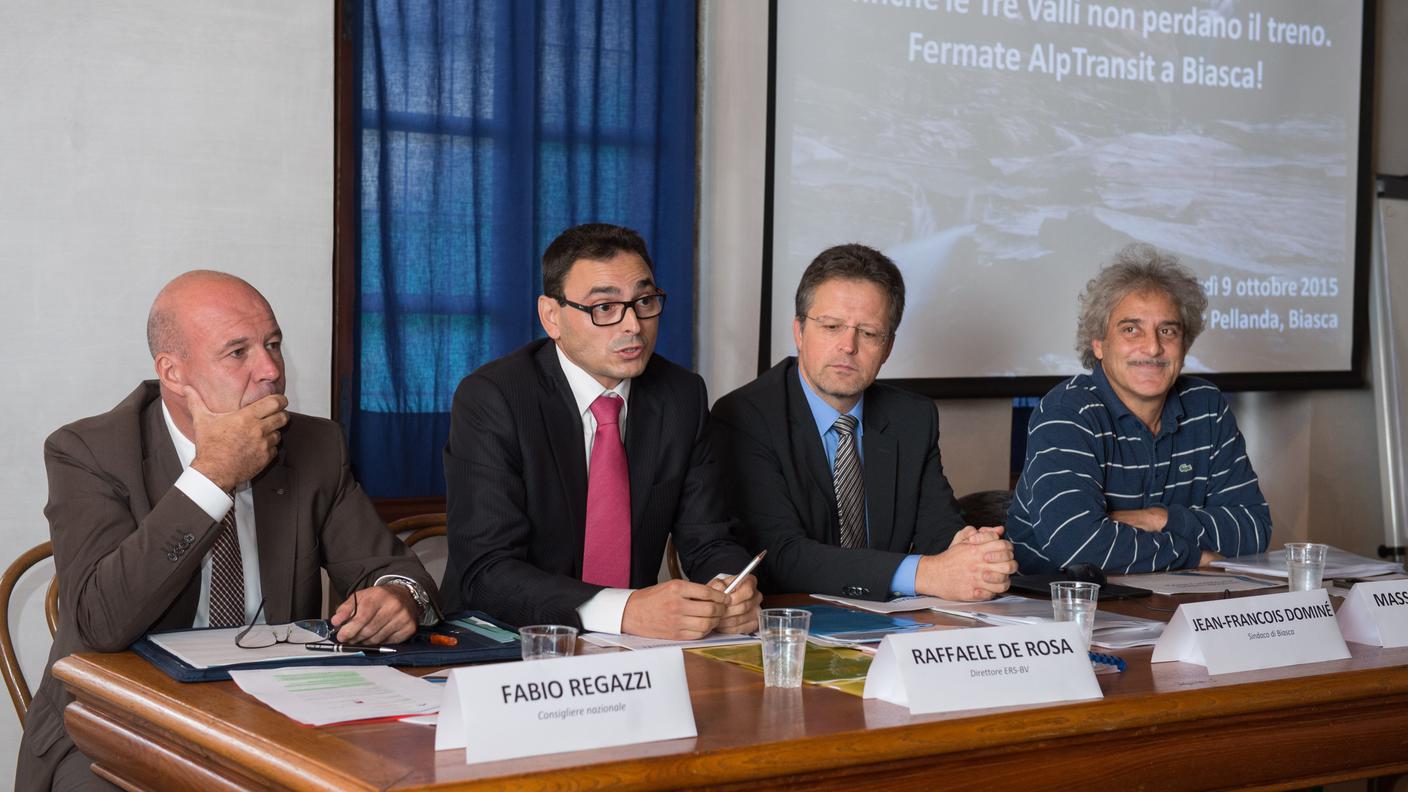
column 1087, row 455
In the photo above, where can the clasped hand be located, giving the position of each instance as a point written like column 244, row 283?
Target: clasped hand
column 976, row 566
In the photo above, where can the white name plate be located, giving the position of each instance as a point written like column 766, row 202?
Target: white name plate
column 975, row 668
column 1248, row 633
column 508, row 710
column 1376, row 613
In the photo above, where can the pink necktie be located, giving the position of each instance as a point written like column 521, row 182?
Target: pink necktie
column 606, row 556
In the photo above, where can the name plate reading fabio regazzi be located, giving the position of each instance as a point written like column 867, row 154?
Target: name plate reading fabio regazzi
column 509, row 710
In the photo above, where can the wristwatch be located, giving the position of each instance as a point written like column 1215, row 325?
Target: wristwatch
column 428, row 613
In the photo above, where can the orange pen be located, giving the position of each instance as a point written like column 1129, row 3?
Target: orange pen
column 444, row 640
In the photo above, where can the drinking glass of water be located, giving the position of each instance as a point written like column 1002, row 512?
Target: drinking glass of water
column 1305, row 561
column 1074, row 600
column 784, row 635
column 547, row 641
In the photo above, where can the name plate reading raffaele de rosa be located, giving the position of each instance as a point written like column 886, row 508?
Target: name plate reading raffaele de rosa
column 981, row 667
column 1376, row 613
column 1248, row 633
column 508, row 710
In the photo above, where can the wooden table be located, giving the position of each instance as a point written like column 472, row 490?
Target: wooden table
column 1168, row 726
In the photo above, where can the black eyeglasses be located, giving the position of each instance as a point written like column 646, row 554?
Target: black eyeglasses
column 610, row 313
column 304, row 631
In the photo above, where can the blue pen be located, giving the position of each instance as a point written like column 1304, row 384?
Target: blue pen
column 1109, row 660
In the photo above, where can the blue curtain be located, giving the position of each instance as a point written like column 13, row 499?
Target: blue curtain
column 487, row 129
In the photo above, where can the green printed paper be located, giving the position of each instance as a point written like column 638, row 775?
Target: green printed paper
column 827, row 666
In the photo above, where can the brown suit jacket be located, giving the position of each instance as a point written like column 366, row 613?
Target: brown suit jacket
column 128, row 544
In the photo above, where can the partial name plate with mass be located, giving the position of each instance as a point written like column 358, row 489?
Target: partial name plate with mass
column 1376, row 613
column 1251, row 633
column 980, row 668
column 535, row 707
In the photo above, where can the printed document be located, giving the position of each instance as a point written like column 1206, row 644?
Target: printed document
column 321, row 695
column 1190, row 581
column 897, row 605
column 1338, row 564
column 636, row 642
column 216, row 648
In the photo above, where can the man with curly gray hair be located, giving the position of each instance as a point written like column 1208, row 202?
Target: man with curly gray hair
column 1134, row 467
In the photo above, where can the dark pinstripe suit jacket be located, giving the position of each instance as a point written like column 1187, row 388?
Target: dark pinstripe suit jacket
column 783, row 492
column 515, row 469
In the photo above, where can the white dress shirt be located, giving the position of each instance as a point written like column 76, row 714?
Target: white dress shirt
column 603, row 612
column 216, row 503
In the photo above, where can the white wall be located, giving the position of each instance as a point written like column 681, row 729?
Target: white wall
column 140, row 139
column 1314, row 451
column 733, row 115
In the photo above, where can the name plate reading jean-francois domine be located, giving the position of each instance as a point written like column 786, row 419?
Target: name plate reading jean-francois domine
column 1249, row 633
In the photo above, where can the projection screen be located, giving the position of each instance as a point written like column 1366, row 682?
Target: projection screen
column 1001, row 150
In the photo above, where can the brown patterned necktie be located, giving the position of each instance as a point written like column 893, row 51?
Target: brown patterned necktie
column 227, row 577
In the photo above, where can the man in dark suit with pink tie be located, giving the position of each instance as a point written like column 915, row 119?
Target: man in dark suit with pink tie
column 571, row 460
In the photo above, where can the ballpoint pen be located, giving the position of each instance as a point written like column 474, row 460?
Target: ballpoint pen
column 324, row 646
column 733, row 584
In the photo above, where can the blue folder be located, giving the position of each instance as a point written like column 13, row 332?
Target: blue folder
column 844, row 624
column 474, row 646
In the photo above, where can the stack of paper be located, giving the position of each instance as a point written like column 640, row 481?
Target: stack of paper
column 1190, row 581
column 636, row 642
column 1002, row 610
column 216, row 648
column 1338, row 564
column 322, row 695
column 1112, row 630
column 897, row 605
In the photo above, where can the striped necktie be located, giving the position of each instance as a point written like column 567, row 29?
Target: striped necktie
column 227, row 577
column 850, row 487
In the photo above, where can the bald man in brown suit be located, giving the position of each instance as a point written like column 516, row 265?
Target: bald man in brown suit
column 139, row 495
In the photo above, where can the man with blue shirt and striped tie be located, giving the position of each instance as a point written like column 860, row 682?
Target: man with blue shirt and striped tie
column 1132, row 467
column 839, row 477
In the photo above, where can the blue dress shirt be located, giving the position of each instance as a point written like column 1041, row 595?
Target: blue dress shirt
column 825, row 416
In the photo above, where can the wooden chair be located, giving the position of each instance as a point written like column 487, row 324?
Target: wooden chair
column 418, row 528
column 421, row 526
column 9, row 661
